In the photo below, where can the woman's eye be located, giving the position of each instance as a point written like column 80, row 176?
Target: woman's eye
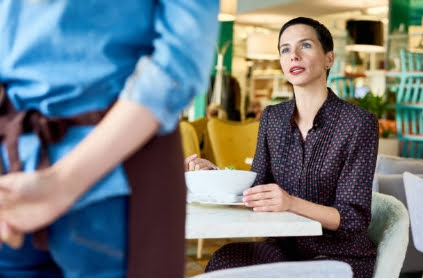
column 306, row 45
column 284, row 50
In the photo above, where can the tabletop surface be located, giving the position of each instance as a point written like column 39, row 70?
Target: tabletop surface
column 223, row 221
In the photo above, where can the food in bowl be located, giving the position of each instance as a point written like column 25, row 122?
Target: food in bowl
column 219, row 181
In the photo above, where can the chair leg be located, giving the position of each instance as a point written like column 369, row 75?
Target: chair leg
column 200, row 248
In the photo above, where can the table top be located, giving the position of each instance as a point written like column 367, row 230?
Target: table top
column 223, row 221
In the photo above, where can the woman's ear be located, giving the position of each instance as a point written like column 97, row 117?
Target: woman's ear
column 330, row 58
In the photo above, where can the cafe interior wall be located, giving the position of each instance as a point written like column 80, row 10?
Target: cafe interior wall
column 243, row 68
column 406, row 13
column 405, row 29
column 224, row 41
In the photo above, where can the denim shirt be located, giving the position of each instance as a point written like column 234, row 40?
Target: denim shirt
column 66, row 57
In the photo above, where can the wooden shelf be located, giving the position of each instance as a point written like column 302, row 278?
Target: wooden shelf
column 269, row 86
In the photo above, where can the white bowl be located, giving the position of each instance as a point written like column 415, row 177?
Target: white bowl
column 219, row 181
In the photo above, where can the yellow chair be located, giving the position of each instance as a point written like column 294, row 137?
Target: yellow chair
column 200, row 126
column 190, row 146
column 232, row 142
column 189, row 139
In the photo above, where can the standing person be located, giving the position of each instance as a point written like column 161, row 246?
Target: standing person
column 315, row 157
column 63, row 64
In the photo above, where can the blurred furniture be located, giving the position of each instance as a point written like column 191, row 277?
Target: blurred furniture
column 208, row 153
column 411, row 61
column 411, row 68
column 223, row 221
column 389, row 231
column 342, row 85
column 389, row 180
column 410, row 128
column 409, row 103
column 189, row 139
column 298, row 269
column 268, row 86
column 414, row 192
column 388, row 146
column 232, row 142
column 191, row 146
column 200, row 126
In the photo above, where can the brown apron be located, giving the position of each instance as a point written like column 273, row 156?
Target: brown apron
column 156, row 243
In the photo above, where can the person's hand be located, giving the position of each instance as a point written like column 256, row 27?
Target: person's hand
column 193, row 162
column 267, row 198
column 10, row 236
column 30, row 201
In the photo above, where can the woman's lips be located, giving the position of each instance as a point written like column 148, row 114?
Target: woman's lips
column 295, row 70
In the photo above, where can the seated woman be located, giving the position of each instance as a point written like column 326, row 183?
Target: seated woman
column 315, row 157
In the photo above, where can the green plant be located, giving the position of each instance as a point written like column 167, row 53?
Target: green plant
column 372, row 103
column 387, row 132
column 382, row 107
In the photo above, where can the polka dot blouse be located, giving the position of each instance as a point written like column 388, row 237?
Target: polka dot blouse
column 334, row 166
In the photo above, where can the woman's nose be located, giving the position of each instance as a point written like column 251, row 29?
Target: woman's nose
column 294, row 55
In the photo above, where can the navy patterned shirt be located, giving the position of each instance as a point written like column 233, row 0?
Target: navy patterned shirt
column 334, row 167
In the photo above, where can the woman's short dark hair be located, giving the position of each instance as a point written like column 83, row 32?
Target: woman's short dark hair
column 323, row 34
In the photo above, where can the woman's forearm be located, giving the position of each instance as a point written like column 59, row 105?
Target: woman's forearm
column 125, row 128
column 329, row 217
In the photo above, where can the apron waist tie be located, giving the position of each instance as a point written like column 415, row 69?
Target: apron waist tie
column 49, row 131
column 156, row 232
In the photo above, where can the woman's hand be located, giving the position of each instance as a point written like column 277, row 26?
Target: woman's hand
column 193, row 162
column 267, row 198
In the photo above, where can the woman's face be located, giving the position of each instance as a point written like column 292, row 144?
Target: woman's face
column 302, row 58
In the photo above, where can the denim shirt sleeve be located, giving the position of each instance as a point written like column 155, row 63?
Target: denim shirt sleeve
column 179, row 66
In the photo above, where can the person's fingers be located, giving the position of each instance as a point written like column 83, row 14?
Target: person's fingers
column 5, row 192
column 191, row 165
column 208, row 167
column 267, row 208
column 211, row 166
column 191, row 157
column 10, row 236
column 188, row 160
column 202, row 165
column 259, row 203
column 258, row 196
column 195, row 163
column 259, row 189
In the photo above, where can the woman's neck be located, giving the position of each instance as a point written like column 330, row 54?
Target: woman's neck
column 308, row 103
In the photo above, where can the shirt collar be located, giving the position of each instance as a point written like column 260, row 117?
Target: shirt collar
column 322, row 115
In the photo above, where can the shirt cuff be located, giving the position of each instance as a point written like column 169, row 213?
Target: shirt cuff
column 348, row 220
column 154, row 88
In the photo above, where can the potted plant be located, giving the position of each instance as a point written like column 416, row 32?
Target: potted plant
column 381, row 107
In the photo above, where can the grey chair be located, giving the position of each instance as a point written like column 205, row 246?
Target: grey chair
column 414, row 192
column 303, row 269
column 389, row 229
column 389, row 180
